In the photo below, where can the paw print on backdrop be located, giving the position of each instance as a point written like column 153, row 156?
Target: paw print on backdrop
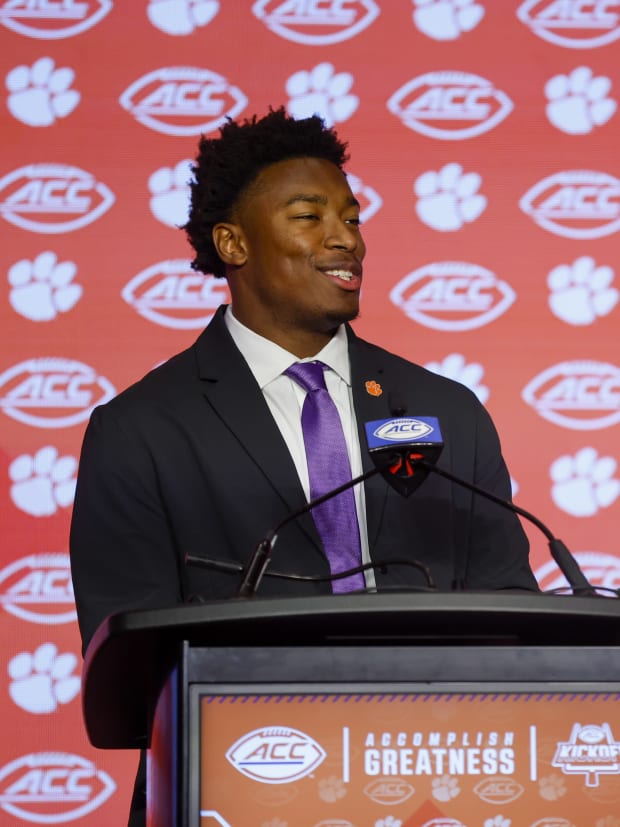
column 332, row 789
column 497, row 821
column 39, row 94
column 552, row 787
column 170, row 193
column 180, row 17
column 43, row 483
column 577, row 103
column 43, row 679
column 445, row 788
column 584, row 483
column 581, row 292
column 447, row 19
column 455, row 367
column 388, row 821
column 42, row 288
column 449, row 199
column 321, row 91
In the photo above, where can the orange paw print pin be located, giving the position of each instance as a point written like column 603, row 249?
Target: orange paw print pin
column 373, row 388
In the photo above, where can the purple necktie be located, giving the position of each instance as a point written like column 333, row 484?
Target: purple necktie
column 329, row 467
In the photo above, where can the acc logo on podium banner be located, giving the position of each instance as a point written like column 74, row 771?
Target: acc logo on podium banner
column 276, row 755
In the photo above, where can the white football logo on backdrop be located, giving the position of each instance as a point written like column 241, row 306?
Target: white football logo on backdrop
column 600, row 569
column 575, row 203
column 43, row 679
column 585, row 483
column 581, row 292
column 575, row 24
column 316, row 23
column 578, row 102
column 44, row 482
column 45, row 20
column 450, row 105
column 38, row 589
column 170, row 193
column 42, row 288
column 322, row 92
column 370, row 200
column 180, row 17
column 449, row 199
column 447, row 19
column 40, row 93
column 455, row 367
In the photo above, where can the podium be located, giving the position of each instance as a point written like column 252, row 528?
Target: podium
column 283, row 695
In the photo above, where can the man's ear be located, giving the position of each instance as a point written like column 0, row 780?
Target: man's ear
column 230, row 244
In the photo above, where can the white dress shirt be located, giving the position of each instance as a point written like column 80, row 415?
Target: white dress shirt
column 285, row 399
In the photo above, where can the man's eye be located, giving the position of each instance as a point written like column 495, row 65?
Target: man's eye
column 356, row 221
column 306, row 217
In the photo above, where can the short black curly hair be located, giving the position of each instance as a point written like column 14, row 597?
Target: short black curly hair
column 227, row 165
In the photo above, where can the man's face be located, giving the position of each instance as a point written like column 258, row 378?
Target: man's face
column 303, row 251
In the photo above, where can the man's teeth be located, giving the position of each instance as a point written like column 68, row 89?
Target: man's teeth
column 347, row 275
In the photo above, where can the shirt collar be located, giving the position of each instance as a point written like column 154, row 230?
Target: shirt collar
column 268, row 360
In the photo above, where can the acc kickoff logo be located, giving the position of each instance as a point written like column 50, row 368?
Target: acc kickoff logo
column 452, row 295
column 583, row 396
column 52, row 392
column 576, row 24
column 38, row 589
column 171, row 294
column 52, row 788
column 591, row 751
column 52, row 19
column 183, row 100
column 450, row 105
column 276, row 755
column 575, row 204
column 52, row 198
column 316, row 23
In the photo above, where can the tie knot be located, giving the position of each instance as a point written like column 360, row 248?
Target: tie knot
column 308, row 374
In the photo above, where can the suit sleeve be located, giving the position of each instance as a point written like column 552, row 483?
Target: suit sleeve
column 121, row 547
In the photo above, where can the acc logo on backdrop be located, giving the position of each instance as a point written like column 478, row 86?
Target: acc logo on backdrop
column 52, row 392
column 276, row 755
column 599, row 568
column 572, row 23
column 171, row 294
column 53, row 787
column 38, row 589
column 316, row 23
column 47, row 20
column 499, row 790
column 553, row 821
column 582, row 395
column 183, row 100
column 389, row 791
column 575, row 204
column 52, row 198
column 450, row 105
column 452, row 295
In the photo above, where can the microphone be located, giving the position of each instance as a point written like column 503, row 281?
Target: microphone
column 406, row 449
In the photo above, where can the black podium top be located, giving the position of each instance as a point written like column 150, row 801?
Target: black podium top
column 132, row 653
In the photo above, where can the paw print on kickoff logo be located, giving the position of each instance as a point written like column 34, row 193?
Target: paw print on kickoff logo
column 449, row 199
column 39, row 94
column 170, row 193
column 497, row 821
column 455, row 367
column 577, row 103
column 552, row 787
column 447, row 19
column 581, row 292
column 321, row 91
column 43, row 679
column 445, row 788
column 388, row 821
column 42, row 288
column 331, row 789
column 585, row 483
column 43, row 483
column 180, row 17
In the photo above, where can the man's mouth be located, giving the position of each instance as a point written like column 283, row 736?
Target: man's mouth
column 344, row 275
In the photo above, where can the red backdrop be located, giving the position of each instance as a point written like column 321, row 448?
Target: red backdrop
column 484, row 142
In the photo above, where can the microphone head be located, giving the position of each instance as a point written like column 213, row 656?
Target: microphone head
column 394, row 445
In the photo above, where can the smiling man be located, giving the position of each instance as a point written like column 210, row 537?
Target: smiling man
column 267, row 409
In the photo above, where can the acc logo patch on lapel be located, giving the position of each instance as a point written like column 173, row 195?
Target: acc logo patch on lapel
column 373, row 388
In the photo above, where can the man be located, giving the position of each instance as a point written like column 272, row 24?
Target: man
column 207, row 453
